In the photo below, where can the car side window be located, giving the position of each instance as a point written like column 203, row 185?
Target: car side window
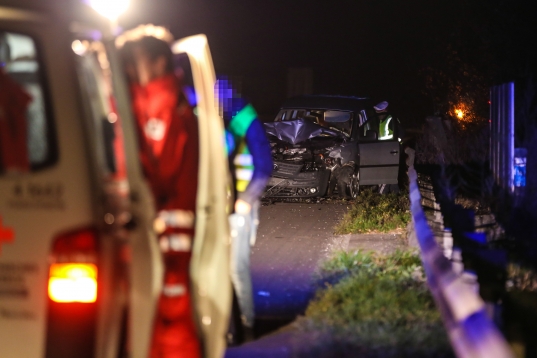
column 27, row 140
column 282, row 116
column 369, row 131
column 378, row 126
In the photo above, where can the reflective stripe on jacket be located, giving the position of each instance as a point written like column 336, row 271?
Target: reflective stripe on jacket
column 243, row 161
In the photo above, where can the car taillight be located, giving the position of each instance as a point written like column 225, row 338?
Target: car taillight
column 73, row 267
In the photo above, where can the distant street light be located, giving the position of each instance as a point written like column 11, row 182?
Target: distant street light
column 459, row 113
column 111, row 9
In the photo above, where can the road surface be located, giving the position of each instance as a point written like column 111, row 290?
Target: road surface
column 291, row 240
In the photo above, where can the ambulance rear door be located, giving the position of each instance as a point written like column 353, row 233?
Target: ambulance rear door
column 210, row 257
column 146, row 266
column 111, row 193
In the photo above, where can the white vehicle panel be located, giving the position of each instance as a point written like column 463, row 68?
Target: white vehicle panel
column 38, row 206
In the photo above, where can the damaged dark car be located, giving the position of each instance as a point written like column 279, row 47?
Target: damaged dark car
column 328, row 145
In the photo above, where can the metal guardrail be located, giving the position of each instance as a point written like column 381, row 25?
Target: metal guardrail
column 471, row 332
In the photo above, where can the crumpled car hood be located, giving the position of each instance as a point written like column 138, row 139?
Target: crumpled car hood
column 298, row 130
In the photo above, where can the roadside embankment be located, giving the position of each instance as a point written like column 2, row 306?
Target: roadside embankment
column 373, row 305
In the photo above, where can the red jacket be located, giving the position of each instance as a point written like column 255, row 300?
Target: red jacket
column 169, row 151
column 14, row 102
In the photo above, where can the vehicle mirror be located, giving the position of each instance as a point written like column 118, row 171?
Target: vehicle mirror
column 337, row 116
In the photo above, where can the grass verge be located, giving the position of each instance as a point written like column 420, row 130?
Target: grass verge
column 380, row 307
column 373, row 212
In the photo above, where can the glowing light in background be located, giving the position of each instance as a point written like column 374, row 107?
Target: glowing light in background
column 459, row 113
column 110, row 9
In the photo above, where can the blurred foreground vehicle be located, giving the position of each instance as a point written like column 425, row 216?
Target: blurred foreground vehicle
column 80, row 267
column 326, row 145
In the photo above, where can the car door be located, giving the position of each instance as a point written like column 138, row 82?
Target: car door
column 209, row 268
column 379, row 154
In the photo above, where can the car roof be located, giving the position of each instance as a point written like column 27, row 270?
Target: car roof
column 345, row 103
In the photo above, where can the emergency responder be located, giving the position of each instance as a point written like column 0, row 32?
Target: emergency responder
column 386, row 125
column 251, row 166
column 169, row 154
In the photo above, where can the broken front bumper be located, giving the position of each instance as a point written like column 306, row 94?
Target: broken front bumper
column 288, row 181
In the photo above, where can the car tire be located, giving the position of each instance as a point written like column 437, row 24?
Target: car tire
column 348, row 184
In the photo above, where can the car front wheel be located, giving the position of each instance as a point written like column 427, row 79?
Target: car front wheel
column 348, row 184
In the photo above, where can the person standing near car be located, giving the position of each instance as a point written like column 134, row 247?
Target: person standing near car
column 251, row 166
column 385, row 118
column 387, row 124
column 168, row 136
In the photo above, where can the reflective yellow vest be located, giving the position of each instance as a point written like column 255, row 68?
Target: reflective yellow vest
column 385, row 131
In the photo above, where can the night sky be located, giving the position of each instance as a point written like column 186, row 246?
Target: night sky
column 372, row 48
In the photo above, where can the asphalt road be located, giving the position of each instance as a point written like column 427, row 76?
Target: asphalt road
column 291, row 240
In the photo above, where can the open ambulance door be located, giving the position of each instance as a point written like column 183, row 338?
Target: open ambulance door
column 209, row 268
column 146, row 266
column 211, row 286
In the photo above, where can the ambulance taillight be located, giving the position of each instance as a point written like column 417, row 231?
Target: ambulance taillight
column 73, row 283
column 73, row 269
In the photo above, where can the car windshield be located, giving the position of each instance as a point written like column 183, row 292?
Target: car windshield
column 340, row 121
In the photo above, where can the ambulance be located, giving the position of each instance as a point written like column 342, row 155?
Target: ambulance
column 80, row 267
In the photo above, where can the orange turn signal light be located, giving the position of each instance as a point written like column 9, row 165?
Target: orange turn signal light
column 73, row 282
